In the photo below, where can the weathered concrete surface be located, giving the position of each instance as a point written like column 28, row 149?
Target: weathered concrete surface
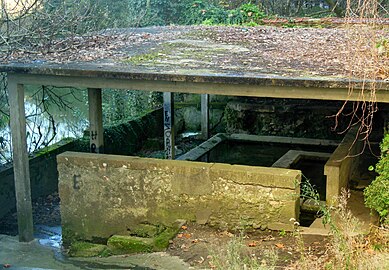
column 293, row 156
column 124, row 138
column 205, row 54
column 35, row 256
column 103, row 195
column 342, row 163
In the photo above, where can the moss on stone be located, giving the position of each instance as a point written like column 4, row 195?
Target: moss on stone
column 69, row 237
column 146, row 230
column 161, row 242
column 140, row 58
column 118, row 244
column 86, row 249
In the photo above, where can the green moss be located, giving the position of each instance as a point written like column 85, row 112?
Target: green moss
column 137, row 59
column 69, row 236
column 129, row 244
column 53, row 148
column 146, row 230
column 161, row 242
column 85, row 249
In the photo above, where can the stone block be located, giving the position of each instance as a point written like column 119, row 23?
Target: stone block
column 104, row 195
column 290, row 210
column 191, row 178
column 279, row 226
column 119, row 244
column 85, row 249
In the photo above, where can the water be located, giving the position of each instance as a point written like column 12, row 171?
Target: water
column 48, row 122
column 252, row 154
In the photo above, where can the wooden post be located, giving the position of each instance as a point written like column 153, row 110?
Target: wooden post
column 96, row 130
column 20, row 161
column 168, row 118
column 205, row 116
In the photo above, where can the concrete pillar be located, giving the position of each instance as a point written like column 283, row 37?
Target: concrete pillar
column 205, row 116
column 168, row 118
column 96, row 120
column 20, row 161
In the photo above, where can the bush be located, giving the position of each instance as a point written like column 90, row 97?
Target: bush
column 208, row 13
column 377, row 194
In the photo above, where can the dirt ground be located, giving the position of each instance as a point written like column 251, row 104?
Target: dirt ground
column 197, row 244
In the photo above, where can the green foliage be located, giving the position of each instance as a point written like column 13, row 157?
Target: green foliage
column 251, row 12
column 383, row 47
column 209, row 13
column 377, row 194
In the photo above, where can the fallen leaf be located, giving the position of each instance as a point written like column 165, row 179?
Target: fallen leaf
column 184, row 227
column 187, row 235
column 252, row 244
column 279, row 245
column 201, row 260
column 179, row 235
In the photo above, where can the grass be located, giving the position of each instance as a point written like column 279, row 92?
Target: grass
column 236, row 255
column 349, row 249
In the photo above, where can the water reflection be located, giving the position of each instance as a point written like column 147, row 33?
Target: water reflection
column 48, row 123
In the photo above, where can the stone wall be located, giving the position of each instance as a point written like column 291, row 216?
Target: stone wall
column 125, row 138
column 103, row 195
column 341, row 165
column 43, row 175
column 284, row 117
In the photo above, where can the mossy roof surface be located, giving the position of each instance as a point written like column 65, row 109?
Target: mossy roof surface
column 199, row 53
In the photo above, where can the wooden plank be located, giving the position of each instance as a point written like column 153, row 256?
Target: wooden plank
column 205, row 116
column 96, row 130
column 168, row 118
column 20, row 161
column 250, row 90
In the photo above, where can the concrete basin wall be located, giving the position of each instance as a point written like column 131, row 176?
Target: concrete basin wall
column 43, row 176
column 103, row 195
column 342, row 163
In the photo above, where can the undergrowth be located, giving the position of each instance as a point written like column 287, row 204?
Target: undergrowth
column 377, row 193
column 236, row 255
column 350, row 248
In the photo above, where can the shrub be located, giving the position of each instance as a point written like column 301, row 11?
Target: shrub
column 251, row 13
column 377, row 194
column 208, row 13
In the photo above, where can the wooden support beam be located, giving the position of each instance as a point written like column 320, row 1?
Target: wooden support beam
column 226, row 89
column 205, row 116
column 96, row 130
column 20, row 161
column 168, row 118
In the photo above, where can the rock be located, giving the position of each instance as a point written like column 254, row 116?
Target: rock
column 119, row 244
column 146, row 230
column 85, row 249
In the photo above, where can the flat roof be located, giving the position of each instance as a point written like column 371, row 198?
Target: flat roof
column 265, row 56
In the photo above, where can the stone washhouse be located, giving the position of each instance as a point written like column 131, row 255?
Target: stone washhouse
column 103, row 195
